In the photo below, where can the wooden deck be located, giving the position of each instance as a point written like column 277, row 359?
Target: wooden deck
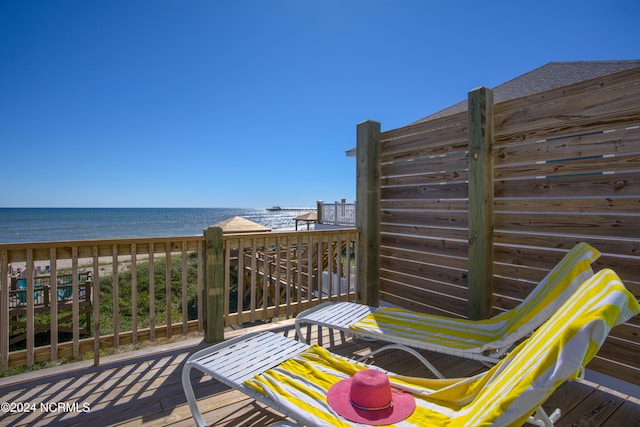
column 144, row 387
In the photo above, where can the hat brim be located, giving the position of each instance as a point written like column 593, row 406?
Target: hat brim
column 338, row 398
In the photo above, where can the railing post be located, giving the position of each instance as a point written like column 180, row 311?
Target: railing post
column 480, row 117
column 319, row 211
column 4, row 310
column 368, row 212
column 213, row 285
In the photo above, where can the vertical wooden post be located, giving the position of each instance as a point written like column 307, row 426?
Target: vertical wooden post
column 200, row 289
column 95, row 277
column 53, row 313
column 115, row 300
column 480, row 117
column 30, row 329
column 4, row 310
column 319, row 211
column 213, row 285
column 134, row 293
column 75, row 305
column 167, row 288
column 368, row 212
column 152, row 293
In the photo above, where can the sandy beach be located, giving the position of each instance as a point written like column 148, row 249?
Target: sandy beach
column 84, row 265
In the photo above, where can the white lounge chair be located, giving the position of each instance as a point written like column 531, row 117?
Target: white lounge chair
column 294, row 378
column 484, row 340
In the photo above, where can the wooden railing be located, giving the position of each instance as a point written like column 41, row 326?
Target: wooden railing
column 103, row 294
column 282, row 272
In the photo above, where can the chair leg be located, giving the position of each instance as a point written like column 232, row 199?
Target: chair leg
column 299, row 335
column 191, row 397
column 409, row 350
column 540, row 418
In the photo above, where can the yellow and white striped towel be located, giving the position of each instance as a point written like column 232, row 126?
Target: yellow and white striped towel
column 505, row 395
column 500, row 331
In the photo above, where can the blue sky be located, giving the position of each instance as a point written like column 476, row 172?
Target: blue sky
column 252, row 103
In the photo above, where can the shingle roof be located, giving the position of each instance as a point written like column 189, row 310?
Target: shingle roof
column 550, row 76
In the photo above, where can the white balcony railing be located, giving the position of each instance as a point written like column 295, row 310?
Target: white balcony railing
column 337, row 214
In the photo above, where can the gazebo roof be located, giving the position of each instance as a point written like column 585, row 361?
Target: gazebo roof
column 309, row 216
column 238, row 224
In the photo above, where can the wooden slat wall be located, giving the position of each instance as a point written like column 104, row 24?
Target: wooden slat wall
column 567, row 169
column 424, row 217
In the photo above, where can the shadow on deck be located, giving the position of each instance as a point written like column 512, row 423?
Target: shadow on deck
column 144, row 387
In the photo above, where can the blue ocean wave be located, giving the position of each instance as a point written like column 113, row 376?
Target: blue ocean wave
column 60, row 224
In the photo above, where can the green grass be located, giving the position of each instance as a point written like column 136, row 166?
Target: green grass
column 125, row 300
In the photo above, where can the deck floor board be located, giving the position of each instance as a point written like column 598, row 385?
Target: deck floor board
column 144, row 387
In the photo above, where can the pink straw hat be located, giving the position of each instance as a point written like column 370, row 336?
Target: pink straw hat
column 368, row 398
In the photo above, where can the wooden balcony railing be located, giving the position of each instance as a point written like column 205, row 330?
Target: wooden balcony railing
column 77, row 297
column 280, row 274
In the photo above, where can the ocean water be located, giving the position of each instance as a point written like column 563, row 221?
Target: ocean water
column 60, row 224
